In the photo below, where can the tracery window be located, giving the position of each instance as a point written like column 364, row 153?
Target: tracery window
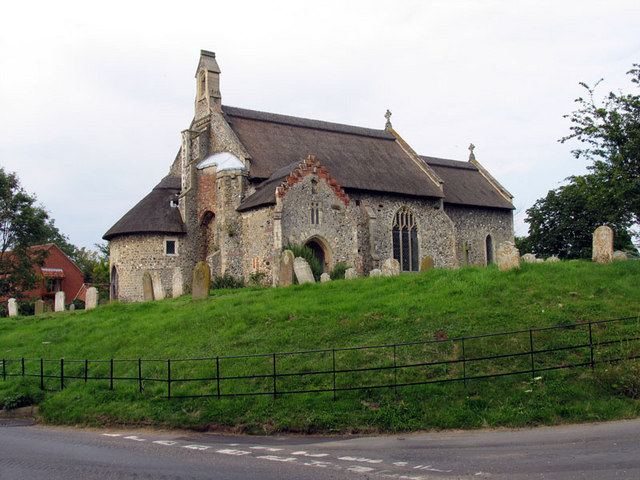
column 405, row 240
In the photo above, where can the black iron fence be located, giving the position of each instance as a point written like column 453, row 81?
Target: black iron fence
column 524, row 352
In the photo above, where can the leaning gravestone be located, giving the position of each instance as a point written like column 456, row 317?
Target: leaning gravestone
column 59, row 303
column 286, row 269
column 528, row 258
column 91, row 298
column 426, row 264
column 619, row 255
column 325, row 277
column 553, row 259
column 158, row 292
column 177, row 283
column 508, row 256
column 390, row 267
column 350, row 274
column 12, row 307
column 603, row 244
column 147, row 287
column 201, row 281
column 303, row 271
column 39, row 307
column 376, row 272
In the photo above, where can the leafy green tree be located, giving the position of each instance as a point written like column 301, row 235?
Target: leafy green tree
column 609, row 131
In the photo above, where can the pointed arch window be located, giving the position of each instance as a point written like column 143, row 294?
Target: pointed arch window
column 405, row 240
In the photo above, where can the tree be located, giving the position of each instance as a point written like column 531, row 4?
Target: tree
column 610, row 133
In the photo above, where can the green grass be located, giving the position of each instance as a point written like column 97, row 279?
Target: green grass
column 436, row 305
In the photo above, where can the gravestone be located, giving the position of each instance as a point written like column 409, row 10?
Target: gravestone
column 201, row 281
column 528, row 258
column 158, row 292
column 39, row 307
column 12, row 307
column 553, row 259
column 350, row 274
column 376, row 272
column 619, row 255
column 325, row 277
column 303, row 271
column 508, row 256
column 59, row 303
column 426, row 264
column 91, row 298
column 390, row 267
column 286, row 269
column 147, row 287
column 177, row 284
column 603, row 244
column 72, row 307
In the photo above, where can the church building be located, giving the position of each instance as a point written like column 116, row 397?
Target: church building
column 245, row 184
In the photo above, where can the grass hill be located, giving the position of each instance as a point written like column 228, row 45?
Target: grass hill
column 437, row 304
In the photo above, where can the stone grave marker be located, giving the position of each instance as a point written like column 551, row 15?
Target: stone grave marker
column 177, row 284
column 12, row 307
column 158, row 291
column 39, row 307
column 390, row 267
column 325, row 277
column 508, row 256
column 528, row 258
column 91, row 298
column 59, row 303
column 201, row 281
column 603, row 244
column 350, row 274
column 376, row 272
column 72, row 307
column 286, row 269
column 619, row 255
column 426, row 264
column 553, row 259
column 147, row 287
column 303, row 271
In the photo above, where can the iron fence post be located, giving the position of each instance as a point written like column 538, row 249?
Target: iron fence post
column 333, row 351
column 533, row 369
column 275, row 392
column 62, row 374
column 86, row 370
column 395, row 371
column 140, row 374
column 591, row 345
column 464, row 364
column 4, row 371
column 23, row 366
column 218, row 374
column 111, row 376
column 41, row 374
column 168, row 378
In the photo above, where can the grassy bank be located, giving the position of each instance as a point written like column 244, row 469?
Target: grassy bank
column 438, row 304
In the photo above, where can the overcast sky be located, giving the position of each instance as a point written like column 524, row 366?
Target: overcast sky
column 93, row 96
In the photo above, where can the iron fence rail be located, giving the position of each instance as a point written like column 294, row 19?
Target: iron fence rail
column 389, row 366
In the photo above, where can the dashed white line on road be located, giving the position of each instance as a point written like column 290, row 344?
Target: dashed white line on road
column 112, row 434
column 268, row 449
column 276, row 458
column 231, row 451
column 135, row 438
column 360, row 469
column 401, row 464
column 359, row 459
column 197, row 447
column 168, row 443
column 314, row 455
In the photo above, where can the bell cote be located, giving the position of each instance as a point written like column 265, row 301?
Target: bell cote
column 208, row 98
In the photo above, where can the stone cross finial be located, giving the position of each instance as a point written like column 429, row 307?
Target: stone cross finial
column 388, row 117
column 471, row 148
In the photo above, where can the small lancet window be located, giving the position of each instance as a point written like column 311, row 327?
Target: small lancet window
column 405, row 240
column 315, row 213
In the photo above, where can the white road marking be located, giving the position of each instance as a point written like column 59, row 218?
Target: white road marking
column 197, row 447
column 359, row 459
column 317, row 463
column 360, row 469
column 112, row 434
column 401, row 464
column 314, row 455
column 276, row 458
column 430, row 469
column 231, row 451
column 268, row 449
column 168, row 443
column 135, row 438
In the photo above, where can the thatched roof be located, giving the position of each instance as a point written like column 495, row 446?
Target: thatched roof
column 153, row 214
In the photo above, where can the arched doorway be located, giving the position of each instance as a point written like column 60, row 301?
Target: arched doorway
column 320, row 251
column 489, row 249
column 113, row 287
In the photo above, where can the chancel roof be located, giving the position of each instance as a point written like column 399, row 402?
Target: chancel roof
column 154, row 213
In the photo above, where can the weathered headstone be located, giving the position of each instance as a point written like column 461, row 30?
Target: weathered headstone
column 158, row 292
column 147, row 287
column 350, row 274
column 619, row 255
column 12, row 306
column 39, row 307
column 528, row 258
column 376, row 272
column 508, row 256
column 303, row 271
column 177, row 284
column 59, row 303
column 201, row 281
column 91, row 298
column 603, row 244
column 325, row 277
column 72, row 307
column 426, row 264
column 553, row 259
column 286, row 269
column 390, row 267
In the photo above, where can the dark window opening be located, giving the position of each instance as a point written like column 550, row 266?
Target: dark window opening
column 170, row 247
column 405, row 240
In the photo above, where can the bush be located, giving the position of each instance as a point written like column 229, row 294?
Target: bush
column 21, row 393
column 309, row 256
column 338, row 271
column 226, row 281
column 623, row 378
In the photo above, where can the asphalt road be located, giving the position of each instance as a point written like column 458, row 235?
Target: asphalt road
column 596, row 451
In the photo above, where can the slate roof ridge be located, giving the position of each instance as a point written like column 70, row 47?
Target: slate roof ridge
column 306, row 123
column 445, row 162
